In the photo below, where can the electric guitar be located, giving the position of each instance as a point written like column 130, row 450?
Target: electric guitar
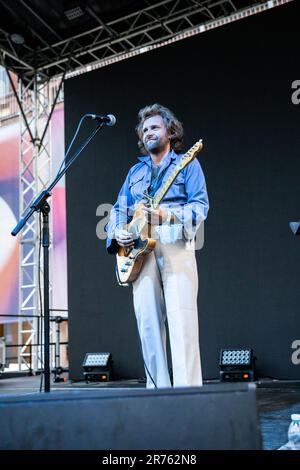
column 130, row 260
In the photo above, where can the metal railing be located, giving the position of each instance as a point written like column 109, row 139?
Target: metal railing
column 33, row 349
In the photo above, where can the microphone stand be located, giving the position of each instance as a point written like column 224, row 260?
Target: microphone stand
column 40, row 204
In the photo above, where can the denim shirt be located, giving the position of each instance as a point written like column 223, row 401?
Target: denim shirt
column 187, row 199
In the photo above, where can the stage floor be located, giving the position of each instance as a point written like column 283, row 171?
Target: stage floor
column 276, row 400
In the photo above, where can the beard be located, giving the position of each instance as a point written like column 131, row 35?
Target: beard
column 156, row 145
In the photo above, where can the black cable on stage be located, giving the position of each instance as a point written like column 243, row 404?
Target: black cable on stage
column 145, row 365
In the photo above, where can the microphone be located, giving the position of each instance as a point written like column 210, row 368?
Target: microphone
column 108, row 119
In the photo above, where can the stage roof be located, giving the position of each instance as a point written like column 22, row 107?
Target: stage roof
column 50, row 37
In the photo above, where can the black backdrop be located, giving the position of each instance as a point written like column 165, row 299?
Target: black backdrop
column 232, row 87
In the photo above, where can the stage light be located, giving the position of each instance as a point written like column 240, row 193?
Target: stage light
column 237, row 365
column 97, row 367
column 74, row 13
column 17, row 38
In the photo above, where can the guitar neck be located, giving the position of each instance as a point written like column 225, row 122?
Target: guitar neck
column 165, row 188
column 185, row 160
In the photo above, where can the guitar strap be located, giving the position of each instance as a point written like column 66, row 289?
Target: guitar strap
column 156, row 178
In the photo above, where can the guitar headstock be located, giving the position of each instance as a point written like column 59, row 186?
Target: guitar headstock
column 191, row 154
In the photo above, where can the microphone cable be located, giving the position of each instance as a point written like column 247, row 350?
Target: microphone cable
column 145, row 365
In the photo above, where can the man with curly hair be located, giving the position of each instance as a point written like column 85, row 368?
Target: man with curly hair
column 167, row 285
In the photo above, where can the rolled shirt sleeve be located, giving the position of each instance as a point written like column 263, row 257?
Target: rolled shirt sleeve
column 194, row 211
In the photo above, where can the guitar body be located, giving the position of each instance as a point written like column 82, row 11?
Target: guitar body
column 130, row 260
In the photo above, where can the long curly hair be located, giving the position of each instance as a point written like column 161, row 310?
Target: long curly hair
column 174, row 127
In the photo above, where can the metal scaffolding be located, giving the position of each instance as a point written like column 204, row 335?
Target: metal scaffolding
column 153, row 24
column 36, row 101
column 35, row 175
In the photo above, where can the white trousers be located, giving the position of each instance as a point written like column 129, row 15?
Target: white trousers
column 167, row 288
